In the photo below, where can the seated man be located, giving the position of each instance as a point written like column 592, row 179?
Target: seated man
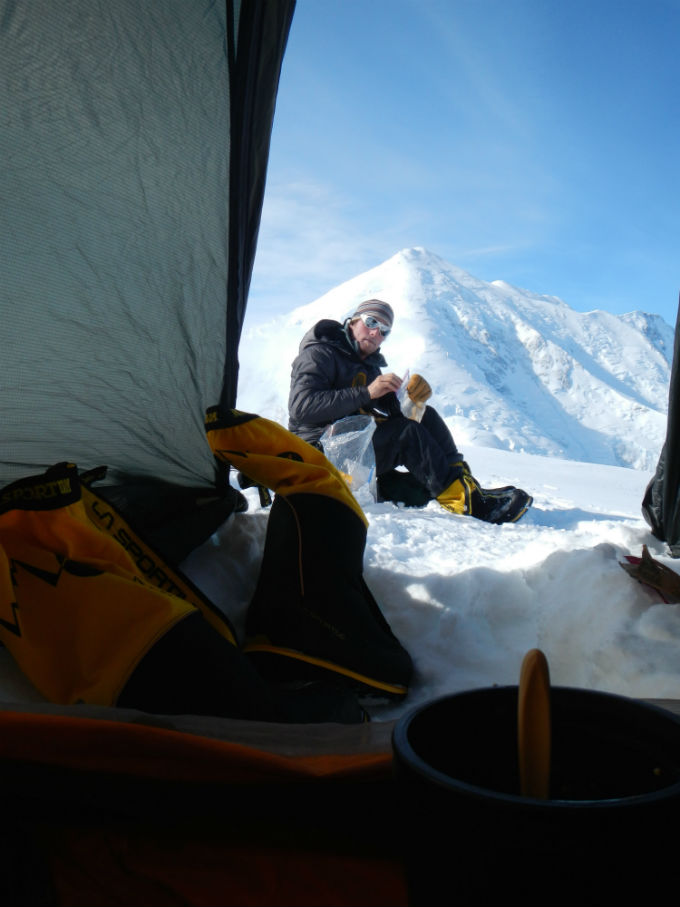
column 337, row 373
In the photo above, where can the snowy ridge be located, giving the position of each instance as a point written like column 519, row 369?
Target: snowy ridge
column 510, row 369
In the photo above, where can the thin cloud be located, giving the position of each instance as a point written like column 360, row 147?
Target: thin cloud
column 310, row 240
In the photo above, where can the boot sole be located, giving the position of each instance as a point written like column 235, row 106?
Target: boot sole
column 276, row 661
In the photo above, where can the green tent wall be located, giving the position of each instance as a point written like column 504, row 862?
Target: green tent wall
column 134, row 144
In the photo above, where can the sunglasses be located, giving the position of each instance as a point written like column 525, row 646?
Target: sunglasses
column 373, row 323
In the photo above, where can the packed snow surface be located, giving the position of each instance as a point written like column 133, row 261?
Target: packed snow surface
column 468, row 599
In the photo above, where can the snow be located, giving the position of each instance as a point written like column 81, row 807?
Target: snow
column 468, row 599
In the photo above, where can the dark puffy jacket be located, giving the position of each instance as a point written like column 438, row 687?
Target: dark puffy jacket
column 330, row 381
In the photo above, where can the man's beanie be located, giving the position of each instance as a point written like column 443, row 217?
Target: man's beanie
column 380, row 310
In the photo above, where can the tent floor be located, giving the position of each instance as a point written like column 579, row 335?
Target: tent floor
column 108, row 807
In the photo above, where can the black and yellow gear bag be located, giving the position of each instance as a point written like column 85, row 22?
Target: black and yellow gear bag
column 82, row 597
column 312, row 610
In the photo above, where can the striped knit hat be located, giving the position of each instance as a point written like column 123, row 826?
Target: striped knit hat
column 380, row 310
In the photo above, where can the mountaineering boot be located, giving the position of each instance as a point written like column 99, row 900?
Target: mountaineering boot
column 459, row 496
column 505, row 505
column 312, row 613
column 493, row 505
column 316, row 701
column 456, row 498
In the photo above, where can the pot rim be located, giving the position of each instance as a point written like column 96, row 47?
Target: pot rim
column 403, row 752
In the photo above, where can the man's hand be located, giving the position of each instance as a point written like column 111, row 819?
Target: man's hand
column 418, row 389
column 383, row 384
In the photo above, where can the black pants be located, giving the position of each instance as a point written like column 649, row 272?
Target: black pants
column 425, row 448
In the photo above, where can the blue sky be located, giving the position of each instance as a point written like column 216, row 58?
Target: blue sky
column 532, row 141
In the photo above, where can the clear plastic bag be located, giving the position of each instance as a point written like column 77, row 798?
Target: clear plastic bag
column 409, row 408
column 347, row 444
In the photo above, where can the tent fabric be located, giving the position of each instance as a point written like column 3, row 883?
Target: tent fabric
column 178, row 871
column 125, row 743
column 134, row 146
column 200, row 811
column 286, row 740
column 661, row 502
column 262, row 36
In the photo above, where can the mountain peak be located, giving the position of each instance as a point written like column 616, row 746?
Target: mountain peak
column 509, row 368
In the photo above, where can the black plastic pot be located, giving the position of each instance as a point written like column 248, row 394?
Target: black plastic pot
column 606, row 835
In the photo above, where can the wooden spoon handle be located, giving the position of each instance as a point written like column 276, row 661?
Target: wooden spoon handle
column 533, row 726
